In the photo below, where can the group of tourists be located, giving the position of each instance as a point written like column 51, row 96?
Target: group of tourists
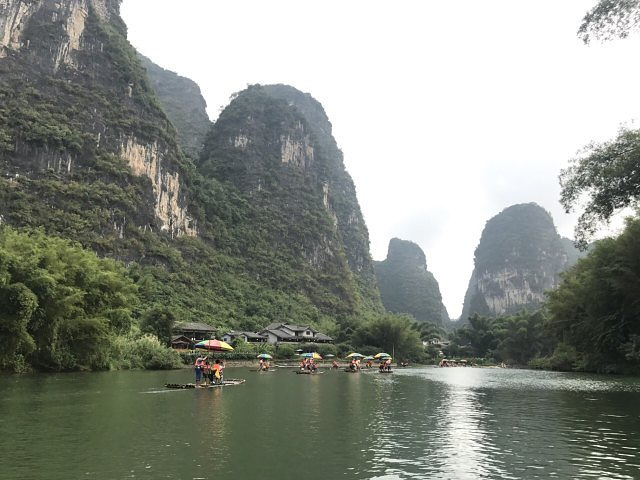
column 208, row 373
column 308, row 364
column 263, row 365
column 354, row 364
column 385, row 365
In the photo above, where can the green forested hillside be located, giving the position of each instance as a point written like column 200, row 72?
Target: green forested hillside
column 264, row 227
column 183, row 103
column 406, row 286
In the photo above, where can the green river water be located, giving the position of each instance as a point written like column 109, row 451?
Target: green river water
column 424, row 423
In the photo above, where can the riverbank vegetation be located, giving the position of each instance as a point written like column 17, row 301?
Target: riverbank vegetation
column 64, row 308
column 589, row 323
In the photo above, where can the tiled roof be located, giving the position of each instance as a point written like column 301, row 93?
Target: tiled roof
column 279, row 333
column 194, row 327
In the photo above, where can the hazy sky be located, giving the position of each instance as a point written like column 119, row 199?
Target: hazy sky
column 447, row 111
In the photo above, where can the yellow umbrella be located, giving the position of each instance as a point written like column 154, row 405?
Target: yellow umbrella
column 217, row 345
column 314, row 355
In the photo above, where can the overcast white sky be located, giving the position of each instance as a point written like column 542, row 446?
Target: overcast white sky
column 447, row 112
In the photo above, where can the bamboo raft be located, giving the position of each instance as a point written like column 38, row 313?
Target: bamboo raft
column 307, row 372
column 225, row 383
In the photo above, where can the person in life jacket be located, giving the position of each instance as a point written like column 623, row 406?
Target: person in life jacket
column 198, row 367
column 217, row 371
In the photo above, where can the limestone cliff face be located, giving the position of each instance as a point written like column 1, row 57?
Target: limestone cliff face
column 147, row 161
column 75, row 107
column 66, row 18
column 339, row 192
column 407, row 286
column 273, row 144
column 519, row 257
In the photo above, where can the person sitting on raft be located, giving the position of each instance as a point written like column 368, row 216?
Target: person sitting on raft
column 334, row 364
column 352, row 365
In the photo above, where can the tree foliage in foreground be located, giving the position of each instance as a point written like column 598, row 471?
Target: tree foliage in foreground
column 609, row 175
column 61, row 307
column 596, row 309
column 610, row 19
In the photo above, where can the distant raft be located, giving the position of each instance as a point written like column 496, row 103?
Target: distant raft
column 226, row 383
column 308, row 372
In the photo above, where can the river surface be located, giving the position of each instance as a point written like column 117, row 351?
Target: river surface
column 416, row 423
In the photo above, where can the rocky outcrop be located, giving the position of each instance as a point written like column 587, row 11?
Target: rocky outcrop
column 273, row 145
column 183, row 103
column 339, row 192
column 147, row 161
column 407, row 286
column 520, row 256
column 78, row 119
column 65, row 22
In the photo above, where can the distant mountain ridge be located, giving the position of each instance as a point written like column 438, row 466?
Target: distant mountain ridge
column 520, row 256
column 406, row 286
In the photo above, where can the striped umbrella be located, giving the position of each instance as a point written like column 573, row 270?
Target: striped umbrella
column 216, row 345
column 314, row 355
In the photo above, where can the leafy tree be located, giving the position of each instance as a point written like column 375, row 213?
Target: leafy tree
column 610, row 19
column 521, row 337
column 17, row 305
column 609, row 175
column 429, row 331
column 159, row 321
column 596, row 308
column 71, row 303
column 391, row 333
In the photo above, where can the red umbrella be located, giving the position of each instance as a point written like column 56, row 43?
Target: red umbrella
column 217, row 345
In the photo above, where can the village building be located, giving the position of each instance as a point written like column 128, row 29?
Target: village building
column 286, row 332
column 250, row 337
column 195, row 331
